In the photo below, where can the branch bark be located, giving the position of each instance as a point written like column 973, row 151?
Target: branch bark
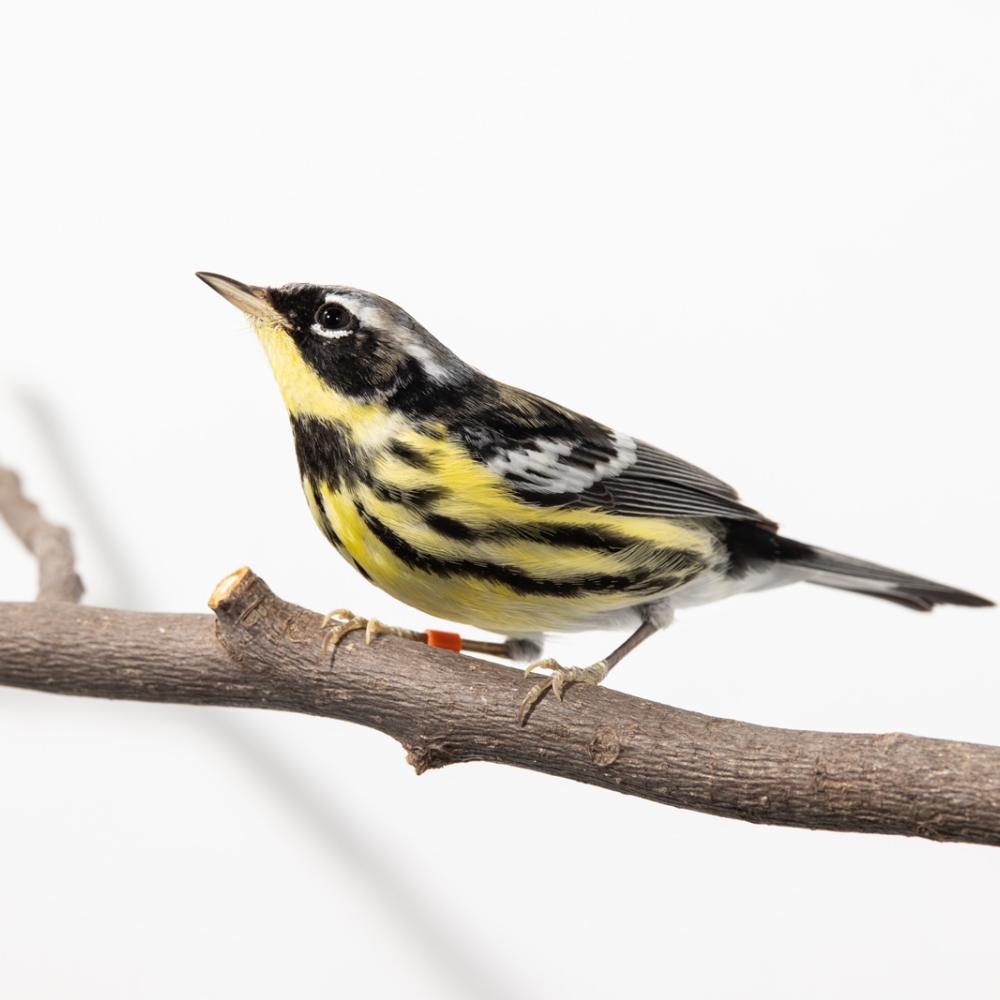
column 262, row 652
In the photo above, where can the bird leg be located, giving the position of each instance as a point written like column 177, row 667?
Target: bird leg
column 341, row 622
column 562, row 677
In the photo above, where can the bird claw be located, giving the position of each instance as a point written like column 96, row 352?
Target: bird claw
column 347, row 622
column 343, row 623
column 375, row 627
column 557, row 682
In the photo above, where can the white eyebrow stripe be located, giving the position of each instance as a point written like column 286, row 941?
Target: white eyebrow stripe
column 366, row 313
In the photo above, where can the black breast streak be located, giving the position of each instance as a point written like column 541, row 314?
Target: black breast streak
column 579, row 536
column 411, row 456
column 415, row 498
column 449, row 527
column 325, row 452
column 324, row 520
column 641, row 581
column 326, row 455
column 572, row 536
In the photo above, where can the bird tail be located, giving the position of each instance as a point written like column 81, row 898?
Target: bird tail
column 831, row 569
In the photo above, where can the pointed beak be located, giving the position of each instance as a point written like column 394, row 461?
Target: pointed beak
column 247, row 298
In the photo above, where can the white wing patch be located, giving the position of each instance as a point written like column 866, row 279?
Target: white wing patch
column 617, row 474
column 544, row 466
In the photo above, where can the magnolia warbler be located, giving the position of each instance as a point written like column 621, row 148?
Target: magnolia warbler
column 481, row 503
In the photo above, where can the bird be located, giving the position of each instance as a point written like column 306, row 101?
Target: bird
column 484, row 504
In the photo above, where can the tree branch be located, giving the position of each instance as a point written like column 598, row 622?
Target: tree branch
column 49, row 543
column 262, row 652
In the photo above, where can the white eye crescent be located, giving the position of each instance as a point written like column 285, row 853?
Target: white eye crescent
column 321, row 331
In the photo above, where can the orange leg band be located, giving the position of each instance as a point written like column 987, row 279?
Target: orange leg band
column 444, row 640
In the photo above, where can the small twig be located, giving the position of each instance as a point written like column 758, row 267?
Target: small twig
column 49, row 543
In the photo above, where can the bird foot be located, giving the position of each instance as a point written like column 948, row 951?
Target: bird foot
column 558, row 680
column 342, row 622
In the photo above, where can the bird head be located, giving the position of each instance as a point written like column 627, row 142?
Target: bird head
column 331, row 339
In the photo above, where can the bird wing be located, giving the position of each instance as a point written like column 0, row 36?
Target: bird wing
column 551, row 456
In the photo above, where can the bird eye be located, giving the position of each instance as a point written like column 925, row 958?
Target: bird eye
column 334, row 316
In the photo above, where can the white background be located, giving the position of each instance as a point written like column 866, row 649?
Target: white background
column 763, row 236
